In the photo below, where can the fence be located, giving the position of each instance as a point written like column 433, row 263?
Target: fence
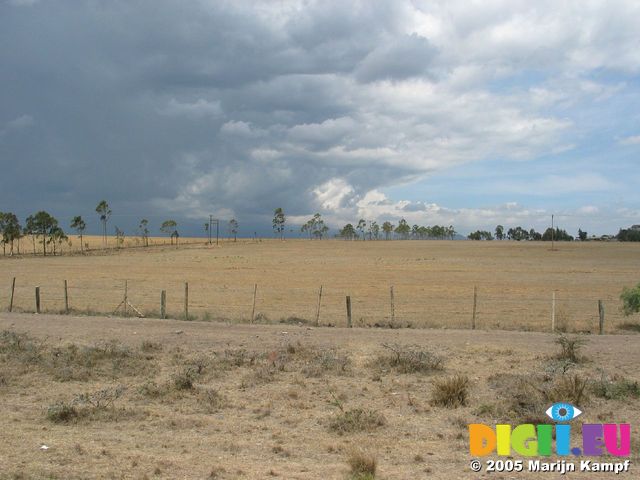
column 378, row 305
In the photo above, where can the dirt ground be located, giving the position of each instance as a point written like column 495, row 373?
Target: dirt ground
column 270, row 401
column 433, row 281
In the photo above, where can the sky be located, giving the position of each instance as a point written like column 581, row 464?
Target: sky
column 464, row 113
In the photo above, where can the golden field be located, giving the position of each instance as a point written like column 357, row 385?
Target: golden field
column 110, row 397
column 433, row 281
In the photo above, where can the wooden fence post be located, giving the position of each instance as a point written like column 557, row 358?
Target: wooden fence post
column 318, row 309
column 475, row 302
column 349, row 324
column 601, row 314
column 553, row 312
column 13, row 289
column 125, row 302
column 393, row 307
column 163, row 304
column 37, row 299
column 66, row 298
column 186, row 300
column 253, row 307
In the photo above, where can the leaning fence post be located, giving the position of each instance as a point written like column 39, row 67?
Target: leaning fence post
column 13, row 289
column 253, row 307
column 125, row 302
column 37, row 299
column 475, row 302
column 163, row 304
column 393, row 307
column 318, row 309
column 349, row 324
column 601, row 314
column 553, row 311
column 66, row 298
column 186, row 300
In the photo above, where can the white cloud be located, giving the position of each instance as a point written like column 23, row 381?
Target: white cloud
column 632, row 140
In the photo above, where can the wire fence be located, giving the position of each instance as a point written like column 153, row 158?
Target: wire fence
column 393, row 306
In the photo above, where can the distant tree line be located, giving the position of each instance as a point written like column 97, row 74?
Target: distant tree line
column 403, row 231
column 629, row 235
column 520, row 234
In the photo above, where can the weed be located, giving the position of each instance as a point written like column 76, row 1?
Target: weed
column 615, row 388
column 211, row 400
column 151, row 389
column 62, row 412
column 148, row 346
column 450, row 392
column 356, row 420
column 363, row 466
column 570, row 348
column 409, row 359
column 184, row 379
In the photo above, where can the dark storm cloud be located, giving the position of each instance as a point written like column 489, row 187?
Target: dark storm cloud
column 235, row 108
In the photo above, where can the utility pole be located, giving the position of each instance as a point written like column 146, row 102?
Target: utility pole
column 217, row 223
column 553, row 232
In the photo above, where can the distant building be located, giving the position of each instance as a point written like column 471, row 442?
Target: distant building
column 635, row 227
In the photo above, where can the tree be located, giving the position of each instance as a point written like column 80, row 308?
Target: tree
column 630, row 300
column 144, row 231
column 500, row 232
column 119, row 237
column 582, row 235
column 56, row 237
column 374, row 230
column 42, row 225
column 318, row 228
column 558, row 234
column 279, row 221
column 387, row 228
column 403, row 229
column 348, row 232
column 480, row 235
column 105, row 212
column 29, row 229
column 362, row 224
column 233, row 228
column 628, row 235
column 79, row 226
column 169, row 227
column 10, row 230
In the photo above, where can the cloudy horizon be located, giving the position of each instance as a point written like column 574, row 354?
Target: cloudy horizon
column 440, row 112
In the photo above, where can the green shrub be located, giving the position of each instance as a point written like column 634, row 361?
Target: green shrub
column 630, row 300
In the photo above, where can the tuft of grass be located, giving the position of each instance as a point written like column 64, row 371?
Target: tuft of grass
column 212, row 400
column 184, row 380
column 363, row 465
column 408, row 359
column 450, row 392
column 357, row 420
column 151, row 389
column 62, row 412
column 570, row 347
column 148, row 346
column 568, row 388
column 616, row 388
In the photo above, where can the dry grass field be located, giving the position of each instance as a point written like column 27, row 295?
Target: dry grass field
column 144, row 398
column 114, row 397
column 433, row 281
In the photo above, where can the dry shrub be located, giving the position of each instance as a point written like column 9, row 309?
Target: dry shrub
column 326, row 361
column 356, row 420
column 615, row 388
column 212, row 400
column 408, row 359
column 148, row 346
column 450, row 392
column 570, row 348
column 95, row 405
column 363, row 465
